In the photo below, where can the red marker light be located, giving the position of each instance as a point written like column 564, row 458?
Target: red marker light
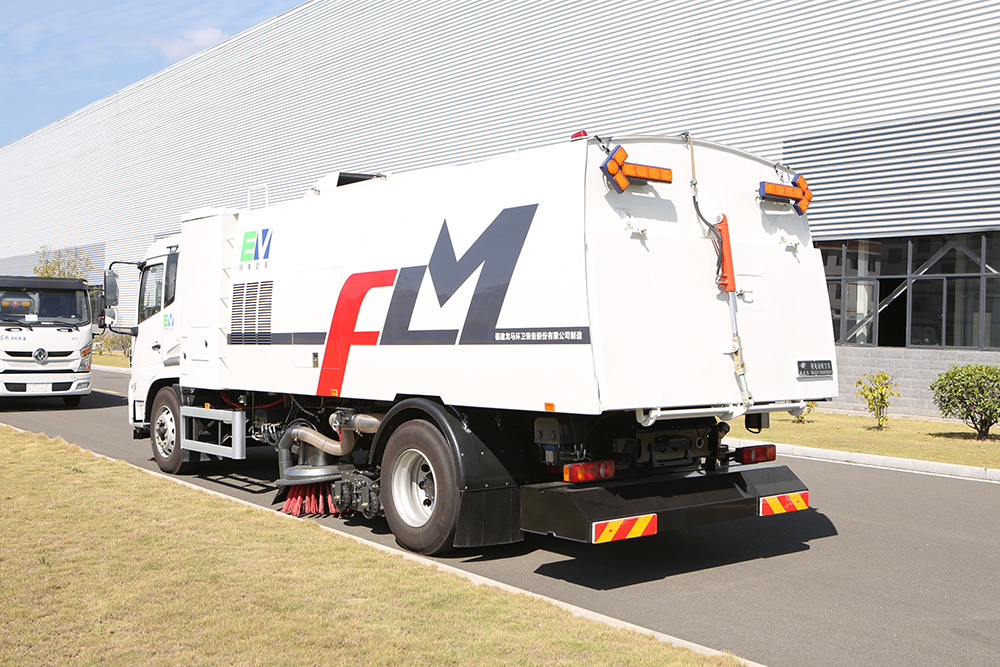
column 582, row 134
column 588, row 471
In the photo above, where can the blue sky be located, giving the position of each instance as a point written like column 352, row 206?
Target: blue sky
column 57, row 56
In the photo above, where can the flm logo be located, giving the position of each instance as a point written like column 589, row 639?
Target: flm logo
column 494, row 254
column 256, row 245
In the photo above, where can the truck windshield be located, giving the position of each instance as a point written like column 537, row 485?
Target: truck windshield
column 45, row 307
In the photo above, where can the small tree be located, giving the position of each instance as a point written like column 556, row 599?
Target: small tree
column 876, row 388
column 801, row 417
column 970, row 393
column 112, row 342
column 62, row 263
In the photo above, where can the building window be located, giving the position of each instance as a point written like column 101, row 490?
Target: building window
column 991, row 313
column 920, row 291
column 926, row 304
column 859, row 311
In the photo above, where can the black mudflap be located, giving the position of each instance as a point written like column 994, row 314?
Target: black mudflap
column 580, row 512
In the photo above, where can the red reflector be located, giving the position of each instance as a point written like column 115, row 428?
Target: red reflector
column 588, row 471
column 582, row 134
column 758, row 454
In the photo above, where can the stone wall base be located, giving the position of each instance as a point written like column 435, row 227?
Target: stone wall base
column 913, row 370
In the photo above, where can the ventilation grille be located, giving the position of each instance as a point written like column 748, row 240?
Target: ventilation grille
column 251, row 314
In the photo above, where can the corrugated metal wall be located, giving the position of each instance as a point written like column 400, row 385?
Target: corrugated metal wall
column 923, row 175
column 367, row 85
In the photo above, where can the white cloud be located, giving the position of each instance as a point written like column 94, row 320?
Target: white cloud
column 189, row 43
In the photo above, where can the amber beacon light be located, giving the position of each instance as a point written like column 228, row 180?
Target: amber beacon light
column 798, row 193
column 620, row 173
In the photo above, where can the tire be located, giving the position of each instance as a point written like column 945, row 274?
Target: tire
column 71, row 401
column 164, row 433
column 420, row 488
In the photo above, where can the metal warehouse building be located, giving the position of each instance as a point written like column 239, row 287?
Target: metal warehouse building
column 890, row 108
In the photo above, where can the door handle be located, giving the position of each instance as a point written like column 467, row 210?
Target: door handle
column 155, row 345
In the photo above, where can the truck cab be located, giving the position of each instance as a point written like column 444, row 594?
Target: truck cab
column 154, row 357
column 45, row 338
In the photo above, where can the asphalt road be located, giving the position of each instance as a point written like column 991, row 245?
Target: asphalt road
column 889, row 568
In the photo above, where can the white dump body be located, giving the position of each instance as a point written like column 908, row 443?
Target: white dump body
column 524, row 282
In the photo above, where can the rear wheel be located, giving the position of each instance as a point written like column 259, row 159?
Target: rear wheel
column 165, row 433
column 419, row 488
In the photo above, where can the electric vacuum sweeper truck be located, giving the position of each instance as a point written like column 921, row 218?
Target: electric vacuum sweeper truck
column 552, row 341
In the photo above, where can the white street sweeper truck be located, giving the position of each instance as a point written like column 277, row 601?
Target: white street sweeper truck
column 552, row 341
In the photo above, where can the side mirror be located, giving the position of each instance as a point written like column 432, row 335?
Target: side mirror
column 110, row 290
column 110, row 317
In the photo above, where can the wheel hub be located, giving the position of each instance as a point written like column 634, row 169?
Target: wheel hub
column 413, row 488
column 165, row 432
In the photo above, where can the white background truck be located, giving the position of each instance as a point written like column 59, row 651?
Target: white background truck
column 45, row 338
column 552, row 341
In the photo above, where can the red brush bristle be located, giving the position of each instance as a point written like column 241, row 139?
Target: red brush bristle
column 313, row 499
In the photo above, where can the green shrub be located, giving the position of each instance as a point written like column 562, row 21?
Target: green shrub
column 801, row 417
column 876, row 388
column 970, row 393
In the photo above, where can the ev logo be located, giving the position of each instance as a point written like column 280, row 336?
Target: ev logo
column 256, row 245
column 168, row 320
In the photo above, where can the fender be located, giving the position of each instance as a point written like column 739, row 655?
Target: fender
column 490, row 510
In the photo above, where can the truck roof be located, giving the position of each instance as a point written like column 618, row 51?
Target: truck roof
column 35, row 282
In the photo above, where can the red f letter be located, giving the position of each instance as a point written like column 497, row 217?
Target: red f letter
column 342, row 334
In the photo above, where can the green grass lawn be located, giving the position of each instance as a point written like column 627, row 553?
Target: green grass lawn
column 102, row 563
column 116, row 359
column 927, row 440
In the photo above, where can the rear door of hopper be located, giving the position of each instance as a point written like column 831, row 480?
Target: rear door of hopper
column 662, row 329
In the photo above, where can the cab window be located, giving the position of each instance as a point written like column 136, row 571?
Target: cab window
column 151, row 292
column 170, row 288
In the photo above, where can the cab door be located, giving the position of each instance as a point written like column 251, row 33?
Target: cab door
column 155, row 350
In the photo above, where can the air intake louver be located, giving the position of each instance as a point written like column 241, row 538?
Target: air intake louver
column 251, row 314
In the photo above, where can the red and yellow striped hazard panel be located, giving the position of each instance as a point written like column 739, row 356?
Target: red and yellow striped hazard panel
column 624, row 529
column 789, row 502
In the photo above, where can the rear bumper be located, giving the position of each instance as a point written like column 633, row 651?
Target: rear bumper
column 620, row 509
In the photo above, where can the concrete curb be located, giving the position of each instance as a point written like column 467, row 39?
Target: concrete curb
column 878, row 461
column 111, row 369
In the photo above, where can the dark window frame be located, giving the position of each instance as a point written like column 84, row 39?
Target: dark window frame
column 905, row 290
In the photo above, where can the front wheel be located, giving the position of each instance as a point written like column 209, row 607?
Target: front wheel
column 165, row 433
column 420, row 489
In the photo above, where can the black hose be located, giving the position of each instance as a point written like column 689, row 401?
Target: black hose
column 716, row 236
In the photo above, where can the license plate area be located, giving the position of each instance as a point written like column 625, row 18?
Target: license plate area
column 815, row 368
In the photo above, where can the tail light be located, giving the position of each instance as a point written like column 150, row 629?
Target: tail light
column 588, row 471
column 757, row 454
